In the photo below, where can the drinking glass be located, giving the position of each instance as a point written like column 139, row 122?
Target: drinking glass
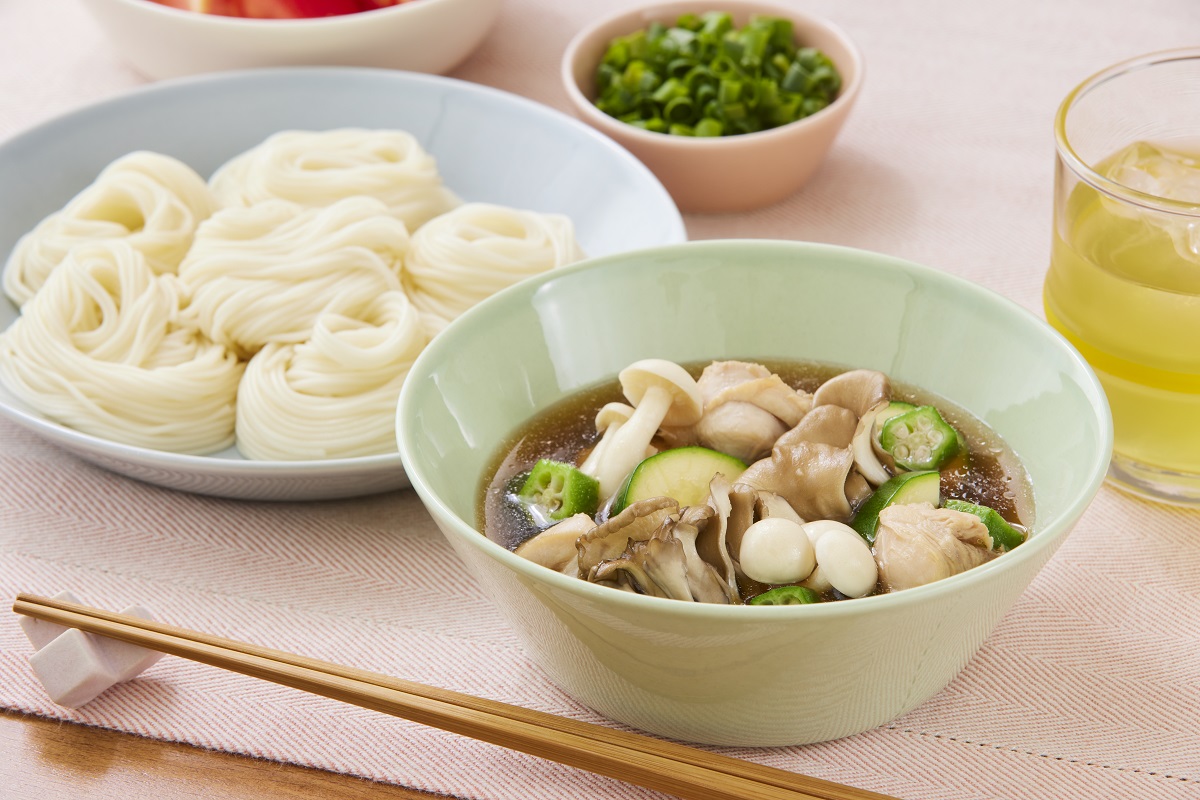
column 1124, row 278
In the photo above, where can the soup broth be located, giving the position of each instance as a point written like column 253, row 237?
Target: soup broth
column 987, row 474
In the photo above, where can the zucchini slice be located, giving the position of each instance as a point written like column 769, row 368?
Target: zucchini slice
column 907, row 487
column 682, row 474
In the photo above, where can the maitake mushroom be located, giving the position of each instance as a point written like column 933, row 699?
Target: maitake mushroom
column 810, row 465
column 651, row 547
column 712, row 542
column 636, row 523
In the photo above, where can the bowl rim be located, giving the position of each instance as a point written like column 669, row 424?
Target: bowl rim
column 249, row 23
column 1046, row 537
column 613, row 126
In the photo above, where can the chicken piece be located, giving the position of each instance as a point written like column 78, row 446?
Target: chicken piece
column 746, row 409
column 556, row 546
column 918, row 544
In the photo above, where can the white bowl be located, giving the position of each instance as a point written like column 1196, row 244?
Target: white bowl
column 420, row 35
column 490, row 146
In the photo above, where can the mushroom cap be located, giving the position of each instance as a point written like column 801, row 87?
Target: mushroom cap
column 686, row 404
column 858, row 390
column 612, row 413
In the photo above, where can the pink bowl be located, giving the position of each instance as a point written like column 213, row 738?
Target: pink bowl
column 726, row 173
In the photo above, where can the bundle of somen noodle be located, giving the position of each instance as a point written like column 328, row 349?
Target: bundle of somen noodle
column 287, row 302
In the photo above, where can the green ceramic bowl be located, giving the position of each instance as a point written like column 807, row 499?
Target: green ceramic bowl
column 744, row 675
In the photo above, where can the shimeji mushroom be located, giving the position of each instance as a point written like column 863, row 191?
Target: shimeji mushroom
column 661, row 392
column 609, row 420
column 865, row 460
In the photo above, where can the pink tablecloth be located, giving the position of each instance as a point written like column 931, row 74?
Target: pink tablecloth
column 1090, row 686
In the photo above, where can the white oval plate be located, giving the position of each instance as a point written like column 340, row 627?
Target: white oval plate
column 491, row 146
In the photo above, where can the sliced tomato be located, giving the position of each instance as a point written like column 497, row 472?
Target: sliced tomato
column 298, row 9
column 279, row 9
column 224, row 8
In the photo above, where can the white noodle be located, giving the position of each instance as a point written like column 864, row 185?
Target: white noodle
column 476, row 250
column 150, row 200
column 333, row 396
column 140, row 297
column 264, row 273
column 103, row 349
column 318, row 168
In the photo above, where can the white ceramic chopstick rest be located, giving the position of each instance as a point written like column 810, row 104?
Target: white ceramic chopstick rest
column 40, row 632
column 72, row 669
column 76, row 667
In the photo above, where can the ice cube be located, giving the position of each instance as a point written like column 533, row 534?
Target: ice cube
column 1165, row 173
column 1158, row 171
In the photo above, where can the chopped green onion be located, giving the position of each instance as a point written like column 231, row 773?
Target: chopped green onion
column 680, row 68
column 670, row 89
column 679, row 109
column 704, row 77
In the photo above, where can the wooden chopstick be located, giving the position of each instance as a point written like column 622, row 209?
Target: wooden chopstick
column 654, row 763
